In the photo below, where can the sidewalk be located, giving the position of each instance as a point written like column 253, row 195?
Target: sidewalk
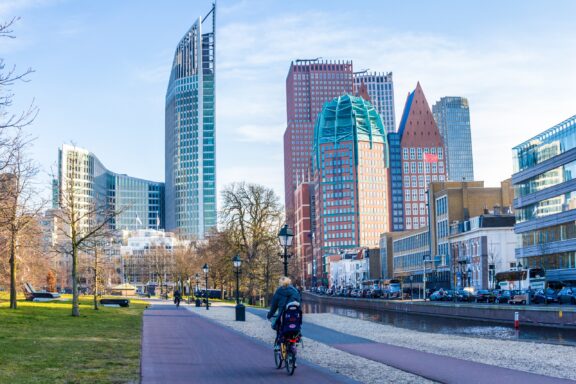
column 181, row 347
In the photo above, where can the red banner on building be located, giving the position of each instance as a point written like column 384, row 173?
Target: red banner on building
column 430, row 158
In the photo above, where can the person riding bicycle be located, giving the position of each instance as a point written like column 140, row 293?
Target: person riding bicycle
column 177, row 297
column 286, row 293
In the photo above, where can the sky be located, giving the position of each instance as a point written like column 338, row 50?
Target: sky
column 102, row 68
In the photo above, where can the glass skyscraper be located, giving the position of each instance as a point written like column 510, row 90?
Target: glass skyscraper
column 190, row 147
column 452, row 116
column 141, row 202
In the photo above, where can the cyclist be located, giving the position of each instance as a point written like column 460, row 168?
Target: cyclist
column 177, row 297
column 286, row 293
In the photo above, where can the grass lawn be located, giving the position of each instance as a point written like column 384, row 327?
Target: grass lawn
column 43, row 343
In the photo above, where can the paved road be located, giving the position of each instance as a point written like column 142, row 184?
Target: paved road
column 439, row 368
column 181, row 347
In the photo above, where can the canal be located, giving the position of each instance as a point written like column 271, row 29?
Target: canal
column 450, row 326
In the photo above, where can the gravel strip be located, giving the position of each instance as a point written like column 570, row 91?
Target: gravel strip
column 545, row 359
column 355, row 367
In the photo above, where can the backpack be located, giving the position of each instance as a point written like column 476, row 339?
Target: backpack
column 291, row 319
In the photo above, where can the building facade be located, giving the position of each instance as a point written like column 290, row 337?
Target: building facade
column 423, row 158
column 190, row 139
column 140, row 202
column 304, row 232
column 545, row 201
column 309, row 84
column 380, row 89
column 480, row 248
column 350, row 170
column 452, row 115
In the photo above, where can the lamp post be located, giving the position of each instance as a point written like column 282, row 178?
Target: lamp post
column 285, row 236
column 189, row 289
column 520, row 276
column 424, row 260
column 240, row 310
column 206, row 269
column 411, row 291
column 469, row 276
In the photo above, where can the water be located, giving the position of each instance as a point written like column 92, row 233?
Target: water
column 450, row 326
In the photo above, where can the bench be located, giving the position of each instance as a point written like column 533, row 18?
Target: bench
column 116, row 302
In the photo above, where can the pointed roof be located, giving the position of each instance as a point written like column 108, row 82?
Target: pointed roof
column 417, row 122
column 363, row 91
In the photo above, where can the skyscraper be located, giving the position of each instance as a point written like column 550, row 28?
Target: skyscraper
column 309, row 84
column 350, row 165
column 380, row 88
column 422, row 158
column 452, row 116
column 190, row 147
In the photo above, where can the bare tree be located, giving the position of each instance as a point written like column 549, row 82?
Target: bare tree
column 252, row 215
column 84, row 218
column 21, row 207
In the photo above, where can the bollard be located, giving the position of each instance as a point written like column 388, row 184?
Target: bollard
column 516, row 320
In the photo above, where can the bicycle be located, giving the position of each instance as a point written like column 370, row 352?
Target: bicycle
column 285, row 352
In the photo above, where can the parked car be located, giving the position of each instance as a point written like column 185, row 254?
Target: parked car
column 521, row 297
column 442, row 295
column 567, row 295
column 485, row 296
column 545, row 296
column 355, row 293
column 464, row 295
column 503, row 296
column 376, row 293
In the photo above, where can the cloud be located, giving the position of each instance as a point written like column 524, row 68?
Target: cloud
column 265, row 134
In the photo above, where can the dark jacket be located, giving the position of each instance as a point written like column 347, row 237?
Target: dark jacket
column 283, row 296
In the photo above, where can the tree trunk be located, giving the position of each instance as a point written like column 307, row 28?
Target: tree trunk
column 75, row 298
column 95, row 279
column 13, row 301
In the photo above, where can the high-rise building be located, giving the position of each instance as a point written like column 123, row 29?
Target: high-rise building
column 422, row 158
column 545, row 201
column 350, row 170
column 380, row 89
column 141, row 202
column 309, row 84
column 452, row 116
column 190, row 146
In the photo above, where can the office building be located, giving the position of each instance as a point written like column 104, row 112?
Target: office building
column 452, row 116
column 380, row 89
column 350, row 170
column 190, row 146
column 545, row 202
column 309, row 84
column 422, row 158
column 140, row 202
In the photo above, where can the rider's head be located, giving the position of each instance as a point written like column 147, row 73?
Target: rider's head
column 285, row 281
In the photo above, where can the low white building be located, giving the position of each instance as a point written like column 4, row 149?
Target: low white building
column 480, row 248
column 350, row 271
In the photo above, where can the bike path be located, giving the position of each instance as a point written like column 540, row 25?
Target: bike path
column 180, row 347
column 439, row 368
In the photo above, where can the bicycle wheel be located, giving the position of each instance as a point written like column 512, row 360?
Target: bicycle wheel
column 290, row 362
column 278, row 356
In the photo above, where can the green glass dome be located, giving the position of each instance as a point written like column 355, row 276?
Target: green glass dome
column 348, row 118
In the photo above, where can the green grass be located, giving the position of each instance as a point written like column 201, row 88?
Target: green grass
column 43, row 343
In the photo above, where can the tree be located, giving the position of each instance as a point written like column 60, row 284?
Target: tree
column 85, row 218
column 251, row 216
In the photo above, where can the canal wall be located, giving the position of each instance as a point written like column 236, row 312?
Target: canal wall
column 548, row 316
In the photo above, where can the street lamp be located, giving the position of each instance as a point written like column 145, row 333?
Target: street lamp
column 285, row 236
column 424, row 260
column 206, row 269
column 240, row 310
column 520, row 276
column 469, row 275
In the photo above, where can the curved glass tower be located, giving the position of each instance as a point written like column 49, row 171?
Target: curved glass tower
column 190, row 161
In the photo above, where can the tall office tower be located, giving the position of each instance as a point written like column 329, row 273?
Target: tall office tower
column 380, row 89
column 452, row 116
column 350, row 165
column 141, row 202
column 190, row 147
column 422, row 157
column 396, row 206
column 309, row 84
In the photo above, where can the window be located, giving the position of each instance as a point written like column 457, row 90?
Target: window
column 407, row 195
column 406, row 167
column 412, row 154
column 407, row 181
column 440, row 153
column 419, row 167
column 419, row 153
column 413, row 167
column 405, row 153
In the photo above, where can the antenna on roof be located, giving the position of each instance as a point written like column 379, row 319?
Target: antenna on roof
column 361, row 72
column 310, row 60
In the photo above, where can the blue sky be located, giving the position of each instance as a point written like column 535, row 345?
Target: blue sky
column 102, row 68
